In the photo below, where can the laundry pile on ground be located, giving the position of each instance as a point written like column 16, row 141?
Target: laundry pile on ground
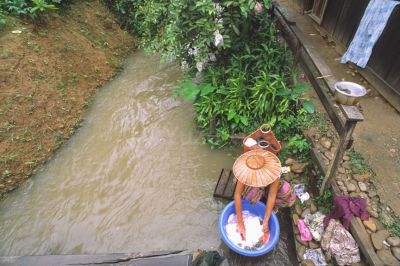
column 324, row 237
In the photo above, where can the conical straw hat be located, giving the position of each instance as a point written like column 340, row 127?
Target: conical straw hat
column 257, row 168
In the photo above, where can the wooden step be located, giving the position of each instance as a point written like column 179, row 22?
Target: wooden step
column 226, row 185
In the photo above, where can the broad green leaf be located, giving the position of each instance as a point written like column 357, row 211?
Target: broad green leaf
column 244, row 120
column 231, row 115
column 206, row 89
column 309, row 107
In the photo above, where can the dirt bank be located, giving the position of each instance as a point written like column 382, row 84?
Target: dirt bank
column 48, row 76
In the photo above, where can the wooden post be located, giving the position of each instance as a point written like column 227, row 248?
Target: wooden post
column 353, row 116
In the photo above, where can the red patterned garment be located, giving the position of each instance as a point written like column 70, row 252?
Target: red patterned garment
column 338, row 242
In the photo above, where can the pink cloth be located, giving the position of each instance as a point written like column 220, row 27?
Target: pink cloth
column 284, row 198
column 304, row 231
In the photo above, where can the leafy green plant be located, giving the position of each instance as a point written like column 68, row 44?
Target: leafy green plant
column 324, row 202
column 358, row 163
column 297, row 145
column 394, row 227
column 246, row 70
column 40, row 8
column 30, row 8
column 3, row 20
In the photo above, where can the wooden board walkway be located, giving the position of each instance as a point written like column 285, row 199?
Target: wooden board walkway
column 167, row 258
column 226, row 185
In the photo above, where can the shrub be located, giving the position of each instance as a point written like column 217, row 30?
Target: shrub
column 246, row 70
column 31, row 8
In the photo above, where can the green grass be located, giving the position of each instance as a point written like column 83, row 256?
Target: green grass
column 394, row 227
column 358, row 163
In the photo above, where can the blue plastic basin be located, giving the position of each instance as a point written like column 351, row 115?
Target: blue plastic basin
column 256, row 209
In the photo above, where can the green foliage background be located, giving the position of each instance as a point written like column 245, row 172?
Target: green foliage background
column 246, row 81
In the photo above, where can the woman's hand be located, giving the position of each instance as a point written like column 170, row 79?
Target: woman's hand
column 265, row 237
column 265, row 226
column 241, row 230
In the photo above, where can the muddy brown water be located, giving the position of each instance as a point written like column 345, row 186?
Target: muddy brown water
column 135, row 177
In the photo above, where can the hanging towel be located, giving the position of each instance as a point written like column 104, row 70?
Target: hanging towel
column 370, row 29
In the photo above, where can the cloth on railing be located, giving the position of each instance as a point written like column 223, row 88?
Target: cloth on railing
column 346, row 207
column 338, row 242
column 370, row 29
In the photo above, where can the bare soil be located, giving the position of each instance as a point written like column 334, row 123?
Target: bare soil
column 48, row 75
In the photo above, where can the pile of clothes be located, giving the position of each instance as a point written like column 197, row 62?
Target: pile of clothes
column 254, row 232
column 335, row 240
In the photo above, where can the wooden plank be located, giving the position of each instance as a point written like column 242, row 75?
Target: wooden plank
column 387, row 47
column 139, row 259
column 322, row 91
column 230, row 186
column 332, row 15
column 222, row 182
column 317, row 158
column 357, row 12
column 314, row 67
column 340, row 149
column 352, row 113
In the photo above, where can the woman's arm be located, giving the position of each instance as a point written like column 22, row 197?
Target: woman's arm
column 273, row 190
column 238, row 207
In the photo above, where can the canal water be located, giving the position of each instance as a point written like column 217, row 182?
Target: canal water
column 135, row 177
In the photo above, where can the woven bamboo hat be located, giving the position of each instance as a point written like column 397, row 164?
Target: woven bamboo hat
column 257, row 168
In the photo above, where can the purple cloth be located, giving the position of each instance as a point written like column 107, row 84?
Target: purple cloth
column 346, row 207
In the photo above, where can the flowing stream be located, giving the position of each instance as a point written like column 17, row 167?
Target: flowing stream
column 135, row 177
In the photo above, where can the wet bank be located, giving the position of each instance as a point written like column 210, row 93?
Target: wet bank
column 135, row 177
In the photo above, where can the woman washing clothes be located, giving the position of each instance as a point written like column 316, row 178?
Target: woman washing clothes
column 258, row 176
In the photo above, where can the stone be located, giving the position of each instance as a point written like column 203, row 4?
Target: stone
column 387, row 257
column 295, row 218
column 340, row 183
column 363, row 187
column 372, row 193
column 361, row 178
column 329, row 155
column 372, row 212
column 305, row 212
column 298, row 238
column 326, row 143
column 370, row 224
column 351, row 187
column 296, row 230
column 379, row 225
column 341, row 170
column 307, row 263
column 354, row 194
column 346, row 158
column 289, row 161
column 298, row 209
column 378, row 238
column 301, row 251
column 298, row 168
column 396, row 252
column 313, row 244
column 313, row 208
column 393, row 241
column 346, row 165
